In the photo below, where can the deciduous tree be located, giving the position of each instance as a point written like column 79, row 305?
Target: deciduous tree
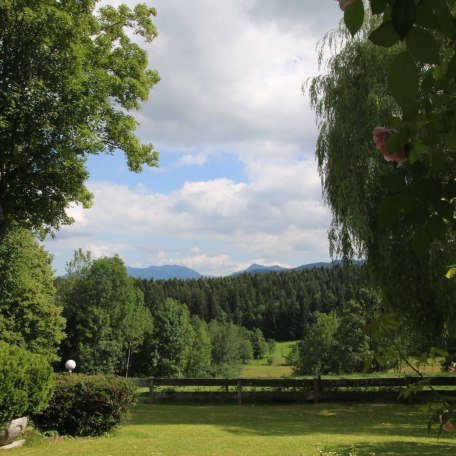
column 313, row 355
column 29, row 315
column 69, row 75
column 198, row 363
column 171, row 339
column 351, row 343
column 105, row 312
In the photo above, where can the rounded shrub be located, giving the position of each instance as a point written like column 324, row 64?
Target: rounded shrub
column 86, row 405
column 26, row 382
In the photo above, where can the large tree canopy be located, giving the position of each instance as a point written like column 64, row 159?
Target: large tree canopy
column 422, row 132
column 68, row 77
column 378, row 205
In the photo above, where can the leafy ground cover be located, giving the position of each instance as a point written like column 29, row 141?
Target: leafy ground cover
column 228, row 430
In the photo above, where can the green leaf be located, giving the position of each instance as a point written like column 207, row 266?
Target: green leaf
column 451, row 272
column 409, row 202
column 427, row 82
column 385, row 35
column 417, row 150
column 421, row 43
column 354, row 17
column 393, row 182
column 437, row 227
column 404, row 80
column 403, row 15
column 420, row 243
column 450, row 140
column 416, row 217
column 445, row 209
column 389, row 212
column 449, row 190
column 378, row 6
column 425, row 17
column 438, row 159
column 393, row 143
column 431, row 135
column 444, row 17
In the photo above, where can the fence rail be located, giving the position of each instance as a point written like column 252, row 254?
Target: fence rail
column 314, row 389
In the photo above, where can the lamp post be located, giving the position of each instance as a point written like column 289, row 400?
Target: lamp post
column 70, row 365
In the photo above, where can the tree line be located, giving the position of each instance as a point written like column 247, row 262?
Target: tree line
column 279, row 304
column 111, row 323
column 110, row 329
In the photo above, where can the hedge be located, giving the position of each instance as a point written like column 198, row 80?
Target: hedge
column 26, row 382
column 86, row 405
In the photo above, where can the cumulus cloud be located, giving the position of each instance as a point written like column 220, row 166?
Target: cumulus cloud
column 191, row 159
column 231, row 83
column 231, row 74
column 303, row 18
column 281, row 221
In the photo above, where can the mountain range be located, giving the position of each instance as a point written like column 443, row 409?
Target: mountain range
column 181, row 272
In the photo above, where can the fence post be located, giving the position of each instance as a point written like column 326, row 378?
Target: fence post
column 151, row 389
column 316, row 388
column 239, row 391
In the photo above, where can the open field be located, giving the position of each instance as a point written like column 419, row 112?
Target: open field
column 259, row 368
column 199, row 430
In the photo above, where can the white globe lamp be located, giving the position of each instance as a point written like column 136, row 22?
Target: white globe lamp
column 70, row 365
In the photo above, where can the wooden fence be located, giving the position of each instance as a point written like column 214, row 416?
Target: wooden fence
column 295, row 390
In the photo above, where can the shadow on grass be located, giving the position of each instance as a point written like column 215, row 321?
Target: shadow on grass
column 431, row 448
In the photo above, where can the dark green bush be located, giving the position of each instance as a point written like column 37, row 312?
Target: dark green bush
column 26, row 382
column 86, row 405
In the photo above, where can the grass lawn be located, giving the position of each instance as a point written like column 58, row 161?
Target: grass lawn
column 259, row 368
column 230, row 430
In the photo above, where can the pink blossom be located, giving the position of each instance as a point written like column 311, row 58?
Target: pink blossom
column 448, row 426
column 344, row 4
column 381, row 135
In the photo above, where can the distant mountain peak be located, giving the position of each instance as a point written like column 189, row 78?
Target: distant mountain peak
column 260, row 269
column 165, row 272
column 255, row 266
column 174, row 271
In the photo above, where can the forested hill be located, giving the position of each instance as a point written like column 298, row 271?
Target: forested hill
column 280, row 304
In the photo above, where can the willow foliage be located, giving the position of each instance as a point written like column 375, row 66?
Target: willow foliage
column 350, row 99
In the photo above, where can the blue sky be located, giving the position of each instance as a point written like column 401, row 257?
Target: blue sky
column 237, row 181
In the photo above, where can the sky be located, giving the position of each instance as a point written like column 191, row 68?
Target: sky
column 237, row 182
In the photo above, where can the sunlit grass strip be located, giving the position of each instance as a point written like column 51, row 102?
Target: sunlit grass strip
column 228, row 430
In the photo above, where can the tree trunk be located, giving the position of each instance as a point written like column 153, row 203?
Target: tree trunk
column 128, row 359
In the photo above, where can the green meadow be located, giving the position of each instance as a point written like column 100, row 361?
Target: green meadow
column 230, row 430
column 259, row 368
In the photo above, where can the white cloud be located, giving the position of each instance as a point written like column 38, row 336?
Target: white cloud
column 231, row 82
column 277, row 217
column 191, row 159
column 232, row 75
